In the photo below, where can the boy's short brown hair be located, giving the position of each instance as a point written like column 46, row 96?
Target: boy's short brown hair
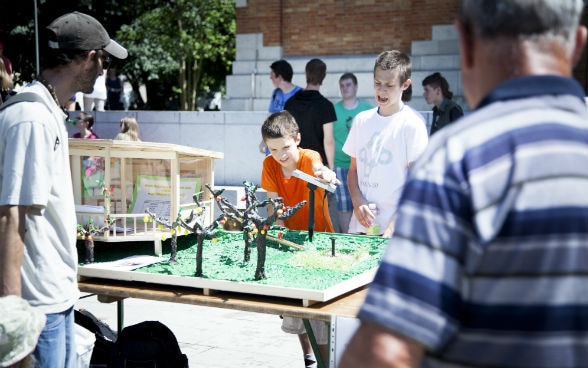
column 279, row 125
column 316, row 70
column 395, row 60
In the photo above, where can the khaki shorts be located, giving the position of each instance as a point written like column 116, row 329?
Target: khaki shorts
column 296, row 326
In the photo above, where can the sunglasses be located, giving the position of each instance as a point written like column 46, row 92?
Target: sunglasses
column 106, row 61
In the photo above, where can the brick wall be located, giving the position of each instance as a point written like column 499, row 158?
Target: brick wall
column 343, row 27
column 261, row 16
column 339, row 27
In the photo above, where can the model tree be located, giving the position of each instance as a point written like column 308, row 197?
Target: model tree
column 202, row 231
column 174, row 228
column 255, row 226
column 198, row 228
column 88, row 231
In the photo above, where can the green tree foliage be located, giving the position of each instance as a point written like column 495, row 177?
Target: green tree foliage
column 177, row 48
column 178, row 41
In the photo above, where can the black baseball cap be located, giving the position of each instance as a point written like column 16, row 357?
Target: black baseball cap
column 79, row 31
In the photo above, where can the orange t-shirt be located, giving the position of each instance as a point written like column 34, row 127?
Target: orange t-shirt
column 294, row 190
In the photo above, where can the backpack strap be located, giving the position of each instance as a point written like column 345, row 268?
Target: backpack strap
column 24, row 97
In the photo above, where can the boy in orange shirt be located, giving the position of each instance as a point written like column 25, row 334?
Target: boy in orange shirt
column 280, row 134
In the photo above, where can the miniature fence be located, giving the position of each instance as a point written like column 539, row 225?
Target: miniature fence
column 128, row 227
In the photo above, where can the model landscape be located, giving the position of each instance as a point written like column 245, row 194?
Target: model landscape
column 282, row 258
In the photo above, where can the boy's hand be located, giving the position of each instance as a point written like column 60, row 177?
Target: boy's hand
column 364, row 215
column 325, row 174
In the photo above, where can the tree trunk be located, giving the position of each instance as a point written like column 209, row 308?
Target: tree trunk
column 174, row 249
column 200, row 240
column 89, row 243
column 247, row 252
column 260, row 271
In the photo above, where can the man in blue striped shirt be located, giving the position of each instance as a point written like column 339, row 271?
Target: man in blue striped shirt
column 488, row 266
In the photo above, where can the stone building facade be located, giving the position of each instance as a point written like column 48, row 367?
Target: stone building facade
column 347, row 35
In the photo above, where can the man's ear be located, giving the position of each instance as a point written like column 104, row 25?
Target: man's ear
column 580, row 44
column 297, row 139
column 466, row 45
column 92, row 54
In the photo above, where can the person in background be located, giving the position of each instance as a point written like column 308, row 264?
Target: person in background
column 5, row 82
column 84, row 123
column 280, row 133
column 114, row 87
column 129, row 129
column 281, row 76
column 5, row 59
column 93, row 166
column 436, row 92
column 383, row 144
column 71, row 104
column 487, row 267
column 315, row 116
column 346, row 109
column 20, row 327
column 38, row 256
column 314, row 113
column 96, row 100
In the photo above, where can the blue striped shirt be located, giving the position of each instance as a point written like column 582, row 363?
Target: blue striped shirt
column 488, row 266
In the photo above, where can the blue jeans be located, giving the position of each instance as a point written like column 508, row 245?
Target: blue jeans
column 56, row 347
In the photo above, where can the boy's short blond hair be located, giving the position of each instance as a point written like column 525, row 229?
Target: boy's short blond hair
column 395, row 60
column 279, row 125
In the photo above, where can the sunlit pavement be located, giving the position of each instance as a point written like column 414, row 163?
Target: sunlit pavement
column 211, row 337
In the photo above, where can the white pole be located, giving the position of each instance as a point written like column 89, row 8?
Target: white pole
column 36, row 38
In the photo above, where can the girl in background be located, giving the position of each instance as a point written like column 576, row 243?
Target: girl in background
column 445, row 111
column 129, row 129
column 84, row 123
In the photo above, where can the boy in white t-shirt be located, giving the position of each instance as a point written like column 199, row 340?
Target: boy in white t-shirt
column 383, row 144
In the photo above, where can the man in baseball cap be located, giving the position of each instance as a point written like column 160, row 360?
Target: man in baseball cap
column 79, row 31
column 38, row 256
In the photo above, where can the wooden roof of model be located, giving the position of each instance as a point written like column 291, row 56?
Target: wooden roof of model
column 140, row 147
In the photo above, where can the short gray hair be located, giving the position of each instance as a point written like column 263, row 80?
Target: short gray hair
column 522, row 18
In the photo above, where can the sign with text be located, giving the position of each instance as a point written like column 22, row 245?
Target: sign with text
column 154, row 193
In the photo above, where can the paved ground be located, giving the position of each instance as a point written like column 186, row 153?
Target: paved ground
column 212, row 337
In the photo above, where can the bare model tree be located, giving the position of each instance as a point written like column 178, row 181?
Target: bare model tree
column 88, row 231
column 201, row 231
column 256, row 226
column 174, row 227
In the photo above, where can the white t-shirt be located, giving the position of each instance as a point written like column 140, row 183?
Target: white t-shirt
column 99, row 91
column 35, row 171
column 383, row 146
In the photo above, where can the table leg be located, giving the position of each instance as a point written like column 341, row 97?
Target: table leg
column 120, row 314
column 314, row 344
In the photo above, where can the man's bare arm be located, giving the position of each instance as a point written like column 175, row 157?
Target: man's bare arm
column 329, row 145
column 12, row 229
column 374, row 347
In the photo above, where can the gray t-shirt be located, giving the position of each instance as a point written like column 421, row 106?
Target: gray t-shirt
column 35, row 172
